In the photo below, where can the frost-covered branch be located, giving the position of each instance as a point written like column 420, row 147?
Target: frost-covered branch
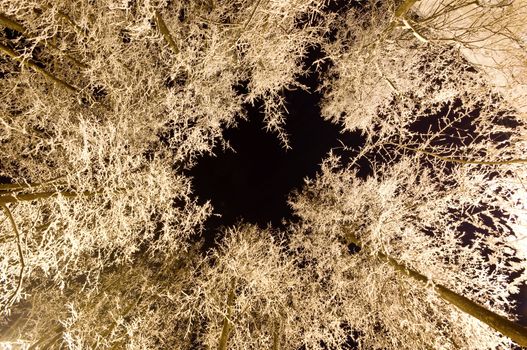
column 34, row 66
column 459, row 160
column 501, row 324
column 21, row 261
column 166, row 33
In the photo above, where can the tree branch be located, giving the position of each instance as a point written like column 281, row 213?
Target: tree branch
column 415, row 32
column 514, row 331
column 21, row 186
column 226, row 329
column 403, row 8
column 251, row 16
column 20, row 253
column 55, row 335
column 276, row 335
column 15, row 25
column 31, row 64
column 459, row 160
column 26, row 197
column 11, row 24
column 165, row 32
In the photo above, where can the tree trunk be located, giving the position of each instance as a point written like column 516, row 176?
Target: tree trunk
column 514, row 331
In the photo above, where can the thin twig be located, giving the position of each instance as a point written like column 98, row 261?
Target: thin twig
column 70, row 21
column 209, row 21
column 252, row 15
column 55, row 332
column 390, row 83
column 459, row 160
column 66, row 17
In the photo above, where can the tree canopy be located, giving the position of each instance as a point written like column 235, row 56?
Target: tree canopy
column 106, row 104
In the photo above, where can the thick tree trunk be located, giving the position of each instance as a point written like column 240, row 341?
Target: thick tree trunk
column 514, row 331
column 227, row 323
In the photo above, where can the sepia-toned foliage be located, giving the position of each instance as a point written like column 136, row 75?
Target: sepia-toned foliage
column 418, row 220
column 100, row 99
column 415, row 240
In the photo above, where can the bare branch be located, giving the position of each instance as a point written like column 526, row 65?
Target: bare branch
column 31, row 64
column 459, row 160
column 20, row 253
column 165, row 32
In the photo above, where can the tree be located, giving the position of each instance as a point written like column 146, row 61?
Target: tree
column 66, row 231
column 137, row 305
column 99, row 101
column 409, row 221
column 438, row 122
column 383, row 76
column 244, row 294
column 489, row 34
column 106, row 96
column 154, row 61
column 106, row 103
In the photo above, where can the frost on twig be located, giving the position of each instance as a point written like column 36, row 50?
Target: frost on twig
column 15, row 294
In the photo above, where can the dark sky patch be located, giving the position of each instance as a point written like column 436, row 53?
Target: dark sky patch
column 252, row 182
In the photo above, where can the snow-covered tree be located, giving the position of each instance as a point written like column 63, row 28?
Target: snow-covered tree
column 491, row 35
column 99, row 99
column 135, row 306
column 447, row 154
column 426, row 236
column 104, row 103
column 244, row 294
column 384, row 77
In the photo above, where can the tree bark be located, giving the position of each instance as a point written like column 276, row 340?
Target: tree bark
column 226, row 329
column 514, row 331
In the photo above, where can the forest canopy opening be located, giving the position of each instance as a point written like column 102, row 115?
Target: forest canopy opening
column 402, row 192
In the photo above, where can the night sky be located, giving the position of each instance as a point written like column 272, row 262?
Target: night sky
column 252, row 183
